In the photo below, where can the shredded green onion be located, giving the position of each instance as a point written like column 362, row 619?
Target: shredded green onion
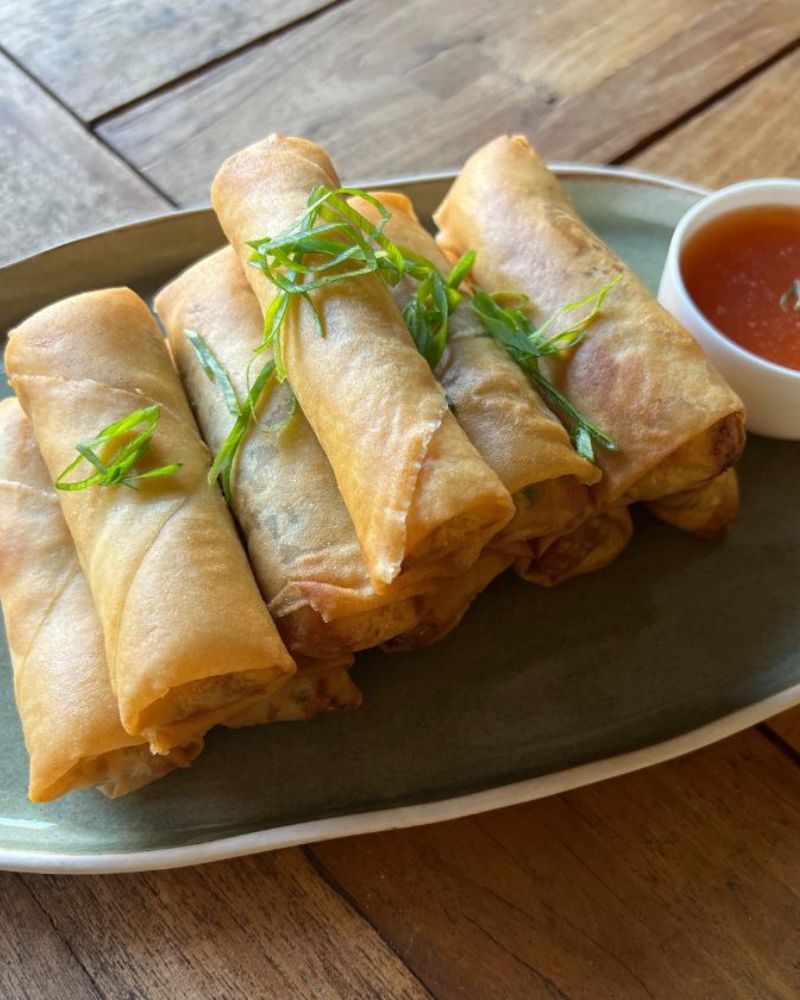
column 511, row 325
column 116, row 470
column 243, row 413
column 345, row 244
column 331, row 242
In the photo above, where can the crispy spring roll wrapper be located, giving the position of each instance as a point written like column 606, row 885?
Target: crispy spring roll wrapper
column 507, row 421
column 442, row 610
column 421, row 499
column 300, row 537
column 188, row 638
column 318, row 687
column 593, row 545
column 708, row 511
column 502, row 414
column 638, row 374
column 69, row 715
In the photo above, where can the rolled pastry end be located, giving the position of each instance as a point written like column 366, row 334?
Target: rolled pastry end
column 440, row 611
column 595, row 544
column 708, row 511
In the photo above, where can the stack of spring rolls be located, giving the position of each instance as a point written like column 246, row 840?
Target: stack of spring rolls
column 374, row 498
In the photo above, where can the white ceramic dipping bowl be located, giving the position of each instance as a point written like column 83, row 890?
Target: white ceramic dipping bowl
column 770, row 392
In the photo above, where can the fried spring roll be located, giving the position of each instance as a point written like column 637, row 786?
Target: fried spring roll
column 188, row 638
column 593, row 545
column 708, row 511
column 421, row 499
column 300, row 537
column 507, row 421
column 493, row 401
column 69, row 715
column 638, row 375
column 319, row 686
column 442, row 610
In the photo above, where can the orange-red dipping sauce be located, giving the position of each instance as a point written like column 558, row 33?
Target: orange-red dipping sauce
column 740, row 270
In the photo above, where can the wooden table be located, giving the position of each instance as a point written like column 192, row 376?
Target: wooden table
column 683, row 880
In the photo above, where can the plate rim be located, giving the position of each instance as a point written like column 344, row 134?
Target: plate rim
column 402, row 817
column 454, row 807
column 560, row 167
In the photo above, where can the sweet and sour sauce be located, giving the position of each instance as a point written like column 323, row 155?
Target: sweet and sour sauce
column 742, row 270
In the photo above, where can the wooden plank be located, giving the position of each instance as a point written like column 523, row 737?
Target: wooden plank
column 98, row 54
column 752, row 133
column 414, row 92
column 33, row 958
column 58, row 180
column 645, row 96
column 681, row 880
column 787, row 726
column 266, row 926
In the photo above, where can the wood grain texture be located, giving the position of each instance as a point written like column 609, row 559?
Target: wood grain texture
column 681, row 880
column 260, row 927
column 58, row 180
column 35, row 963
column 98, row 54
column 752, row 133
column 710, row 53
column 787, row 726
column 418, row 88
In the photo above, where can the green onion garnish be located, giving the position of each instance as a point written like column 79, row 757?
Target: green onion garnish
column 525, row 343
column 116, row 470
column 243, row 413
column 332, row 241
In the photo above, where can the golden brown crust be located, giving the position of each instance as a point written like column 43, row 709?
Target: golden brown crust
column 69, row 715
column 318, row 687
column 501, row 413
column 173, row 590
column 638, row 374
column 708, row 511
column 593, row 545
column 442, row 610
column 299, row 535
column 382, row 420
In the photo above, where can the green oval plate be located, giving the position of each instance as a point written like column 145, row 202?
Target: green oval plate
column 679, row 643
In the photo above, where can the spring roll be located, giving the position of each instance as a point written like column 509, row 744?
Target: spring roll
column 300, row 537
column 502, row 414
column 188, row 638
column 638, row 374
column 441, row 610
column 507, row 421
column 318, row 687
column 593, row 545
column 70, row 719
column 708, row 511
column 420, row 498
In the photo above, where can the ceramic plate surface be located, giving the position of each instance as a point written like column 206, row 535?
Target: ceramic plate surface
column 680, row 642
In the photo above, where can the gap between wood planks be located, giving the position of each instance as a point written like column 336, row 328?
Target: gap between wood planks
column 68, row 110
column 78, row 964
column 707, row 102
column 192, row 74
column 92, row 124
column 778, row 741
column 354, row 903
